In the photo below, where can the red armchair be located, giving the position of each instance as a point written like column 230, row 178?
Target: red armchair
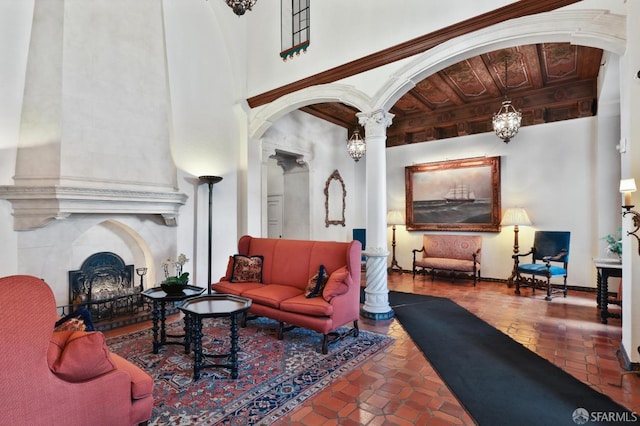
column 67, row 377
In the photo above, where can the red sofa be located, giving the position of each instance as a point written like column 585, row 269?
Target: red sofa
column 65, row 377
column 287, row 269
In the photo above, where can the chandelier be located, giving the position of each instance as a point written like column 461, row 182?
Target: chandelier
column 506, row 122
column 356, row 146
column 240, row 6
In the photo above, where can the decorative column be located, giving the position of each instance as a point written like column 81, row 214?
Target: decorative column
column 376, row 305
column 630, row 168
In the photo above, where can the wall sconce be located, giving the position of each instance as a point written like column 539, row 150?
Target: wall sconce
column 627, row 186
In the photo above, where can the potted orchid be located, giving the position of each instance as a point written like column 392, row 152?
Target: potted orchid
column 175, row 280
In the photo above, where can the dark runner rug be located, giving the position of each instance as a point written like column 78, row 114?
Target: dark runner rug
column 497, row 380
column 275, row 376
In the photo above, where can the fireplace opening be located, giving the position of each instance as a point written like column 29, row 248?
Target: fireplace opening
column 105, row 285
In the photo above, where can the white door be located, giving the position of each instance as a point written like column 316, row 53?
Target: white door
column 274, row 216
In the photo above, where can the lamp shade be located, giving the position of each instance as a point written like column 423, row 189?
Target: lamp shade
column 515, row 216
column 628, row 185
column 395, row 217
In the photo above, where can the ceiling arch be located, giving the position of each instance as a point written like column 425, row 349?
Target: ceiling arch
column 447, row 91
column 344, row 97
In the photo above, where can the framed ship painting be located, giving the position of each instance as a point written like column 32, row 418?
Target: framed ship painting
column 459, row 195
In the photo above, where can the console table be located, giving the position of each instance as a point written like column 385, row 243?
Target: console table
column 606, row 268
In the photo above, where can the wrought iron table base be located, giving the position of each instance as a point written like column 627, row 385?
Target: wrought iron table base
column 200, row 356
column 159, row 324
column 602, row 295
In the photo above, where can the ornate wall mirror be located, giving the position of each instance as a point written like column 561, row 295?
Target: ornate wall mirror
column 334, row 204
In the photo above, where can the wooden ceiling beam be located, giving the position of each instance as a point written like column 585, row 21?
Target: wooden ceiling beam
column 413, row 47
column 578, row 96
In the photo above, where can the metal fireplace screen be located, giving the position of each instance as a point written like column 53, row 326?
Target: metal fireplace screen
column 104, row 283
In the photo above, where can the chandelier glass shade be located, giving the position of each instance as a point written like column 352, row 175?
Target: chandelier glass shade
column 240, row 6
column 506, row 122
column 356, row 146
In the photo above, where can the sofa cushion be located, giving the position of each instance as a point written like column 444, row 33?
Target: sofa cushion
column 247, row 269
column 316, row 283
column 141, row 381
column 339, row 282
column 448, row 264
column 272, row 294
column 237, row 289
column 76, row 356
column 315, row 306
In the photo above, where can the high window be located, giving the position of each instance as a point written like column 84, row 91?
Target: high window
column 295, row 27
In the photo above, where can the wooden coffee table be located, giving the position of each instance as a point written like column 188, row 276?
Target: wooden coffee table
column 160, row 299
column 214, row 306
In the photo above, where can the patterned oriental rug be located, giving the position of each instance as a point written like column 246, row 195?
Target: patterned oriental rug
column 274, row 375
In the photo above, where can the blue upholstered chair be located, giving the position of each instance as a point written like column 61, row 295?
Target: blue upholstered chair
column 549, row 258
column 360, row 234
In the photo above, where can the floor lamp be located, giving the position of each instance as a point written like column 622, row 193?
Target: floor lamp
column 514, row 217
column 211, row 180
column 394, row 217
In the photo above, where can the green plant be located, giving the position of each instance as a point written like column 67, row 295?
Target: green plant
column 182, row 279
column 614, row 243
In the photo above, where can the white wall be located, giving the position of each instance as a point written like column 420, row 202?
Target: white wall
column 15, row 28
column 343, row 31
column 547, row 169
column 325, row 145
column 212, row 70
column 206, row 67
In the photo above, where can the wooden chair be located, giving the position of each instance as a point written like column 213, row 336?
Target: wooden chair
column 549, row 258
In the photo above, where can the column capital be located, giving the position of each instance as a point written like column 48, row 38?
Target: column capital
column 375, row 122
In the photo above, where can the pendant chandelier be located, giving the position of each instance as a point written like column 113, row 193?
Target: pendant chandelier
column 356, row 147
column 506, row 122
column 240, row 6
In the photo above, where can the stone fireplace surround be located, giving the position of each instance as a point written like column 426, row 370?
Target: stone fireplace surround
column 62, row 246
column 94, row 168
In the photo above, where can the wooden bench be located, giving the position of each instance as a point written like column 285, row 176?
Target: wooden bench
column 455, row 253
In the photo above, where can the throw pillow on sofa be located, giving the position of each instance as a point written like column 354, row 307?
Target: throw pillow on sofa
column 338, row 284
column 76, row 356
column 247, row 269
column 316, row 283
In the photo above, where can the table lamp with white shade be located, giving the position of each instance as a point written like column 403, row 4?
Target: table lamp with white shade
column 515, row 217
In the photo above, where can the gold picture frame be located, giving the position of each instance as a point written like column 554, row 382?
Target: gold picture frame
column 457, row 195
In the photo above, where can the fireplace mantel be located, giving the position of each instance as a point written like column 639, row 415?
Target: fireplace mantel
column 36, row 206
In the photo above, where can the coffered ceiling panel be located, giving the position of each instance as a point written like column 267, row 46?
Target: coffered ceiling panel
column 546, row 82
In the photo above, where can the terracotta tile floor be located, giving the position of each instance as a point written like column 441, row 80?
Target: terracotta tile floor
column 399, row 386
